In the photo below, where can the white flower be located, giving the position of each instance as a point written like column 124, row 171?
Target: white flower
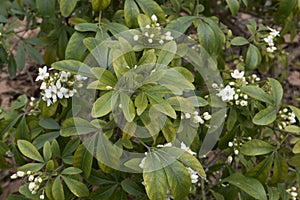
column 48, row 100
column 269, row 40
column 198, row 119
column 150, row 40
column 20, row 173
column 227, row 93
column 214, row 85
column 194, row 175
column 109, row 87
column 187, row 149
column 80, row 78
column 31, row 186
column 187, row 115
column 64, row 76
column 237, row 75
column 30, row 178
column 154, row 18
column 135, row 37
column 42, row 74
column 169, row 144
column 271, row 49
column 28, row 172
column 43, row 86
column 42, row 196
column 206, row 116
column 273, row 32
column 236, row 152
column 69, row 93
column 161, row 42
column 14, row 176
column 230, row 144
column 294, row 194
column 147, row 26
column 229, row 159
column 143, row 161
column 243, row 103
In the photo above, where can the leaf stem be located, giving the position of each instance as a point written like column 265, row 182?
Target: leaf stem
column 100, row 16
column 203, row 190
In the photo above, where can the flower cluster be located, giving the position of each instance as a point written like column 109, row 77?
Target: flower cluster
column 270, row 40
column 286, row 118
column 58, row 86
column 153, row 33
column 292, row 192
column 231, row 92
column 35, row 180
column 235, row 144
column 196, row 118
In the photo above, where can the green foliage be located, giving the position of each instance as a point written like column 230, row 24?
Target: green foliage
column 152, row 98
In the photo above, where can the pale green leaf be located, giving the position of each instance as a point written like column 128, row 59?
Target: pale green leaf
column 265, row 116
column 67, row 7
column 256, row 147
column 103, row 105
column 29, row 150
column 58, row 189
column 76, row 187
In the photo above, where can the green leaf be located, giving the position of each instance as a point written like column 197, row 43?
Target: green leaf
column 71, row 171
column 161, row 105
column 181, row 104
column 104, row 193
column 20, row 57
column 48, row 111
column 105, row 78
column 256, row 147
column 280, row 170
column 257, row 93
column 262, row 170
column 296, row 111
column 70, row 147
column 265, row 116
column 234, row 6
column 83, row 159
column 85, row 27
column 34, row 54
column 58, row 189
column 169, row 131
column 47, row 152
column 21, row 102
column 143, row 20
column 253, row 57
column 131, row 12
column 249, row 185
column 127, row 107
column 103, row 105
column 12, row 66
column 132, row 187
column 284, row 10
column 115, row 28
column 67, row 7
column 295, row 160
column 292, row 129
column 74, row 67
column 296, row 148
column 181, row 24
column 76, row 187
column 39, row 141
column 239, row 41
column 22, row 131
column 76, row 126
column 155, row 179
column 49, row 123
column 141, row 103
column 34, row 167
column 46, row 8
column 166, row 54
column 179, row 180
column 150, row 7
column 277, row 91
column 197, row 101
column 75, row 49
column 29, row 150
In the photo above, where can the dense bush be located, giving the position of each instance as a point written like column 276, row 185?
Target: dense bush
column 144, row 99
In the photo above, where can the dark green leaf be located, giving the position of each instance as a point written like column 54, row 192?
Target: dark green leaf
column 132, row 188
column 150, row 7
column 49, row 123
column 262, row 170
column 20, row 57
column 12, row 66
column 83, row 159
column 85, row 27
column 239, row 41
column 253, row 57
column 256, row 147
column 34, row 54
column 277, row 91
column 39, row 141
column 47, row 152
column 249, row 185
column 73, row 66
column 75, row 49
column 71, row 170
column 234, row 6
